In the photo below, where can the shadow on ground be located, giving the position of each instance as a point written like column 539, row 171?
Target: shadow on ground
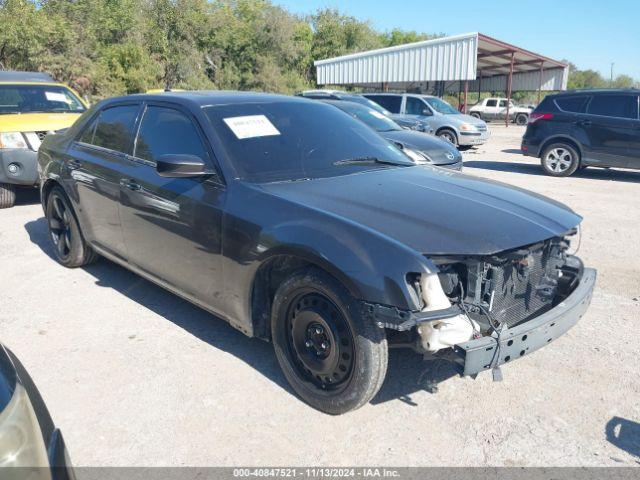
column 535, row 169
column 27, row 196
column 624, row 434
column 405, row 376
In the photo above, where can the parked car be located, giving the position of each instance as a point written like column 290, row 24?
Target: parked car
column 463, row 131
column 405, row 121
column 585, row 128
column 496, row 109
column 421, row 148
column 301, row 225
column 31, row 446
column 32, row 105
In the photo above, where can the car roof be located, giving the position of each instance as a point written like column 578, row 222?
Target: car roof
column 44, row 84
column 582, row 91
column 15, row 76
column 207, row 98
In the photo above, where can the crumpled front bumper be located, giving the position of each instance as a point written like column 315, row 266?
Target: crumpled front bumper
column 481, row 354
column 26, row 162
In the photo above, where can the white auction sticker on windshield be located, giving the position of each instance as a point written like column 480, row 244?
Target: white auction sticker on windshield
column 56, row 97
column 376, row 114
column 251, row 126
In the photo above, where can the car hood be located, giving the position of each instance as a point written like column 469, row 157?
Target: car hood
column 434, row 211
column 464, row 118
column 36, row 122
column 439, row 151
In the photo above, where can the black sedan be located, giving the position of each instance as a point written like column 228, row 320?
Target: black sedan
column 301, row 225
column 30, row 445
column 420, row 147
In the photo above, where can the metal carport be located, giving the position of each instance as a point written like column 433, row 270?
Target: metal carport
column 453, row 64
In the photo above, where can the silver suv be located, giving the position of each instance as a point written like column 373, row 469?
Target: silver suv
column 462, row 130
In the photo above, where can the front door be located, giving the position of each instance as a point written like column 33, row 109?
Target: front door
column 96, row 161
column 419, row 108
column 609, row 124
column 173, row 226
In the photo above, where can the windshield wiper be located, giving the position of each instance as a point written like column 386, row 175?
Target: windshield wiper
column 367, row 161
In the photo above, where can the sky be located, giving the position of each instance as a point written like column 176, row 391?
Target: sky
column 591, row 34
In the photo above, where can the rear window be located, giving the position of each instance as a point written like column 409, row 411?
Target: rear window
column 572, row 104
column 492, row 103
column 390, row 102
column 622, row 106
column 114, row 129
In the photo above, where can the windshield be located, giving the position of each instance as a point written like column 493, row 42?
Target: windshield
column 372, row 118
column 369, row 103
column 289, row 140
column 441, row 106
column 38, row 99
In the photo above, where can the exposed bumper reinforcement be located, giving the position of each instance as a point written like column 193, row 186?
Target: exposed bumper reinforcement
column 475, row 356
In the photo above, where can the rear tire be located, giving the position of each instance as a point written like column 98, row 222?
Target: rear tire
column 7, row 195
column 70, row 247
column 333, row 357
column 476, row 115
column 521, row 119
column 560, row 160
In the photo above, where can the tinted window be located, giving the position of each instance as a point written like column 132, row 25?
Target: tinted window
column 390, row 102
column 274, row 140
column 571, row 104
column 492, row 103
column 165, row 131
column 115, row 128
column 415, row 106
column 87, row 134
column 625, row 106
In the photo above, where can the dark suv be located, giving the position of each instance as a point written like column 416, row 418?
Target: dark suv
column 585, row 128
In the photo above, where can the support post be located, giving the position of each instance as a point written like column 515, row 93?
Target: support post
column 479, row 84
column 540, row 82
column 466, row 94
column 509, row 86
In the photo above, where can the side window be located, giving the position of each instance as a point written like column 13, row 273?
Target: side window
column 87, row 133
column 573, row 104
column 503, row 103
column 492, row 102
column 114, row 129
column 415, row 106
column 623, row 106
column 167, row 131
column 390, row 102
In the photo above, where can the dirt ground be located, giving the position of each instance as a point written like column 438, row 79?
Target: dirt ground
column 136, row 376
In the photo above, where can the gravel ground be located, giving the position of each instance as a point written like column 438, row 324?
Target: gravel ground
column 135, row 376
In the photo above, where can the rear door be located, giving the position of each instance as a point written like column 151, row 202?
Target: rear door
column 173, row 226
column 96, row 161
column 610, row 125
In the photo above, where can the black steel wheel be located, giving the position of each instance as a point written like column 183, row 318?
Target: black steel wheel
column 70, row 248
column 333, row 357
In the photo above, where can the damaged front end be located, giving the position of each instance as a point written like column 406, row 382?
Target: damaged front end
column 483, row 311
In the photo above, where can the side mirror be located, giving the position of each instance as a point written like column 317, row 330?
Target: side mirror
column 426, row 112
column 180, row 166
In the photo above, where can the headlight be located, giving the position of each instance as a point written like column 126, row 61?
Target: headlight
column 12, row 140
column 21, row 442
column 416, row 156
column 467, row 127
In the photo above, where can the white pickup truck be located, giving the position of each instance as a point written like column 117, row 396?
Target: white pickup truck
column 496, row 108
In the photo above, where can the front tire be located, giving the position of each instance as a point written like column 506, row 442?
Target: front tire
column 449, row 136
column 333, row 357
column 7, row 195
column 560, row 160
column 70, row 248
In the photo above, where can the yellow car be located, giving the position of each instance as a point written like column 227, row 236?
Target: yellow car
column 32, row 105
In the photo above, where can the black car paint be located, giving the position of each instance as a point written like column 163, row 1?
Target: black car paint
column 603, row 141
column 12, row 373
column 207, row 239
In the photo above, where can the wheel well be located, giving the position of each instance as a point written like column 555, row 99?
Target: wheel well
column 561, row 140
column 45, row 190
column 268, row 278
column 442, row 129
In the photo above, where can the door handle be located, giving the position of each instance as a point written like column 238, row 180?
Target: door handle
column 130, row 184
column 75, row 164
